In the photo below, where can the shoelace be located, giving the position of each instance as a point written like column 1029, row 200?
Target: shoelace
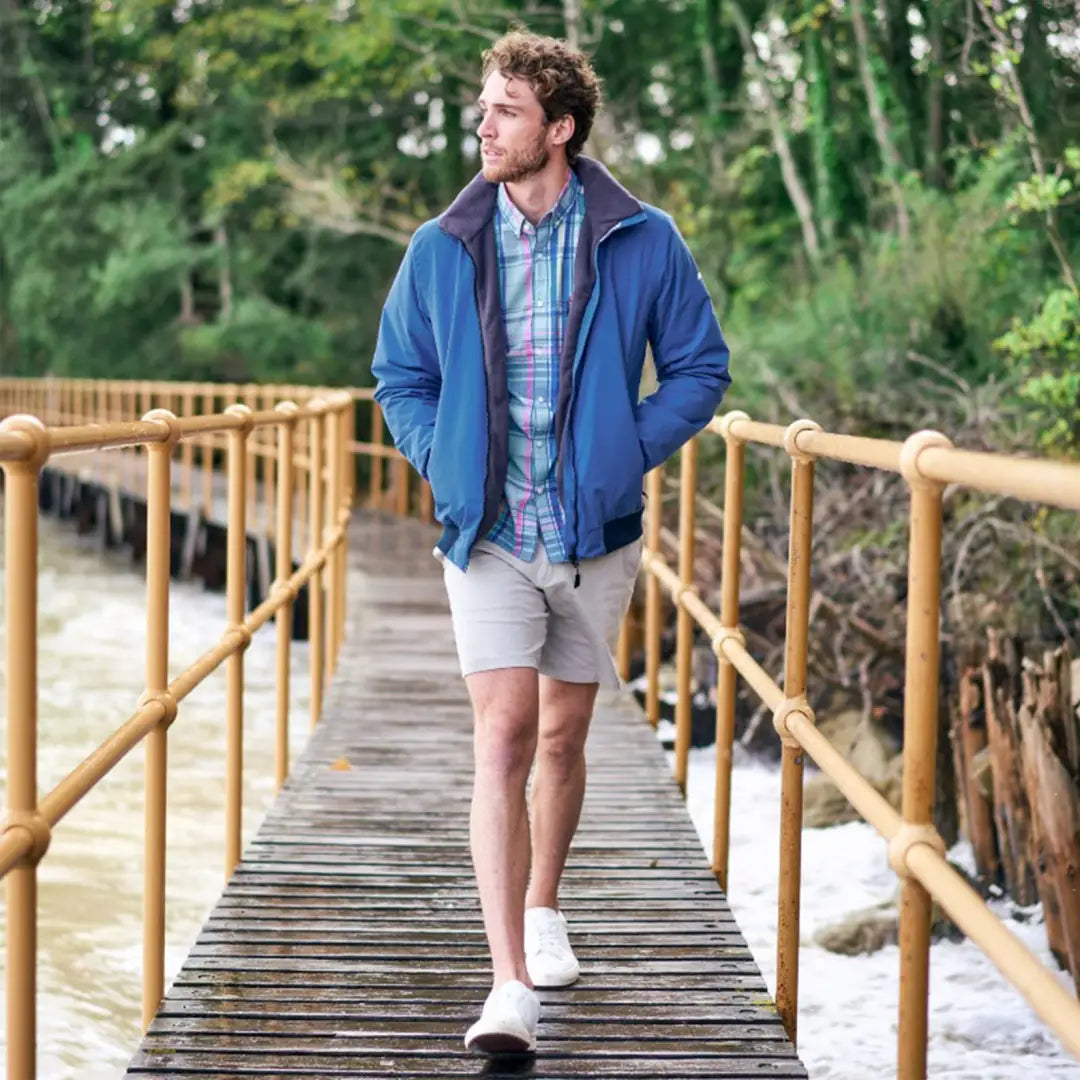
column 548, row 935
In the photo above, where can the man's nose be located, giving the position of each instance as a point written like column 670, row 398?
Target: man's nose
column 486, row 128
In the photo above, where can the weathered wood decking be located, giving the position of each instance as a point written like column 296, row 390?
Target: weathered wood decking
column 349, row 940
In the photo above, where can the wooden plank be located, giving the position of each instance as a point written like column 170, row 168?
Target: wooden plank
column 349, row 940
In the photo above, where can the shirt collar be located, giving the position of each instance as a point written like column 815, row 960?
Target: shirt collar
column 563, row 205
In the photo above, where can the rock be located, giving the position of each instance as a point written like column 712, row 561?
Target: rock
column 862, row 932
column 871, row 751
column 873, row 928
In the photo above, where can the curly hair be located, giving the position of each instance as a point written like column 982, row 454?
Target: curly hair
column 561, row 77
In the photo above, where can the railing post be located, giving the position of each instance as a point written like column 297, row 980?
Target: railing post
column 283, row 571
column 791, row 770
column 345, row 512
column 301, row 444
column 158, row 538
column 254, row 458
column 187, row 452
column 921, row 688
column 315, row 535
column 624, row 646
column 726, row 675
column 208, row 459
column 375, row 479
column 402, row 469
column 269, row 481
column 21, row 481
column 236, row 610
column 427, row 502
column 654, row 519
column 333, row 567
column 684, row 641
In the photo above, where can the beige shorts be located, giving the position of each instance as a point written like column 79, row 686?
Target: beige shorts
column 510, row 613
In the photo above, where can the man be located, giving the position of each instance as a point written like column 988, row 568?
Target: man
column 508, row 364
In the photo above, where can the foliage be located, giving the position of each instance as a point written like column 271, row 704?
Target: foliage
column 223, row 190
column 1045, row 353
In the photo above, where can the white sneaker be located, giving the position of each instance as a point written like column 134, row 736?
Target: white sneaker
column 548, row 957
column 508, row 1023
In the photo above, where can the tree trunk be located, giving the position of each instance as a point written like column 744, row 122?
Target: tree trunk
column 1035, row 61
column 1012, row 814
column 1046, row 717
column 793, row 183
column 890, row 159
column 225, row 285
column 15, row 18
column 572, row 22
column 935, row 119
column 187, row 300
column 822, row 138
column 1053, row 233
column 969, row 742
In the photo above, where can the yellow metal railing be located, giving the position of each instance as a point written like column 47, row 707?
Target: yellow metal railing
column 927, row 461
column 315, row 438
column 312, row 442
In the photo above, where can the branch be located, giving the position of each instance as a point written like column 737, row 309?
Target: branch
column 321, row 200
column 792, row 181
column 890, row 157
column 1028, row 124
column 30, row 68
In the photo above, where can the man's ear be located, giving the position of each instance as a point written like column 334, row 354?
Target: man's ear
column 563, row 130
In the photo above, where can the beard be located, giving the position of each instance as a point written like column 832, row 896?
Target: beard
column 517, row 165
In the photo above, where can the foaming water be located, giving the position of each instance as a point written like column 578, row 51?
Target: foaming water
column 92, row 642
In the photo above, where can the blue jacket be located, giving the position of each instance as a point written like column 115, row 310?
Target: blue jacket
column 440, row 364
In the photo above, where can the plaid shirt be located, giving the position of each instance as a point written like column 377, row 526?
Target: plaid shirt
column 536, row 277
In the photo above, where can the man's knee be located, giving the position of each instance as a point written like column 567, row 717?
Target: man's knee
column 505, row 741
column 562, row 742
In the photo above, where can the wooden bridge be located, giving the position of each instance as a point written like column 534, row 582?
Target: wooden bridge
column 348, row 940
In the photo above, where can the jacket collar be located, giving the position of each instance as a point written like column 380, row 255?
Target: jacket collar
column 607, row 202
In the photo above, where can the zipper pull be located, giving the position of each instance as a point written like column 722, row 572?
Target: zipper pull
column 577, row 570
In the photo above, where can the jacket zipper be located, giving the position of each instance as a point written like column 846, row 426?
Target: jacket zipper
column 570, row 404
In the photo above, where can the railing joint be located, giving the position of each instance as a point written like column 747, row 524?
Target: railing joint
column 681, row 589
column 165, row 699
column 244, row 415
column 782, row 714
column 728, row 419
column 906, row 838
column 791, row 439
column 290, row 412
column 284, row 586
column 174, row 431
column 37, row 437
column 913, row 447
column 37, row 826
column 723, row 636
column 241, row 633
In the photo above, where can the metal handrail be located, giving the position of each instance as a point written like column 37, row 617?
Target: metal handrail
column 27, row 446
column 928, row 462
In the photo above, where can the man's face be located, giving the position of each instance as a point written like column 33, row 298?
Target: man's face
column 515, row 140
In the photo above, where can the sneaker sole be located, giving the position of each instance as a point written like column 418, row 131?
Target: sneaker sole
column 500, row 1044
column 555, row 982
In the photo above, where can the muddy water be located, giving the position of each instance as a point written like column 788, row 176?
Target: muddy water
column 92, row 643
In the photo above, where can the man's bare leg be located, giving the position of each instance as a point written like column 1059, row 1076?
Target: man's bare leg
column 559, row 783
column 505, row 704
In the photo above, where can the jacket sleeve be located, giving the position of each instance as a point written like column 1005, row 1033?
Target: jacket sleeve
column 406, row 367
column 690, row 355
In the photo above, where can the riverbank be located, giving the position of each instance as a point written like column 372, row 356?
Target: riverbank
column 980, row 1028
